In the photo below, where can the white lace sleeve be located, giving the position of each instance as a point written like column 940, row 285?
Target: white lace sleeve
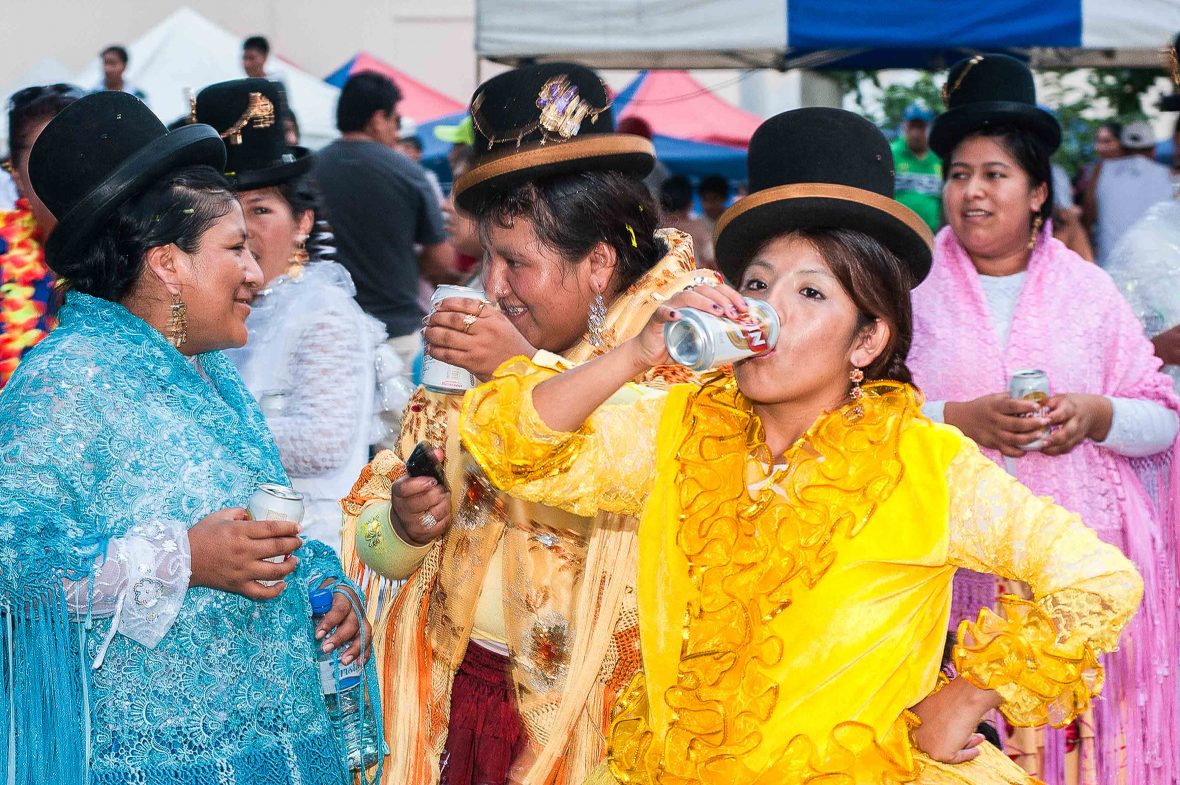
column 331, row 372
column 1139, row 428
column 141, row 580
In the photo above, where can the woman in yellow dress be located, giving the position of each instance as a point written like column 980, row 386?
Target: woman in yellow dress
column 502, row 654
column 799, row 531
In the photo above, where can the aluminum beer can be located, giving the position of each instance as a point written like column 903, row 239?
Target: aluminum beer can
column 438, row 376
column 272, row 502
column 1032, row 385
column 273, row 403
column 700, row 340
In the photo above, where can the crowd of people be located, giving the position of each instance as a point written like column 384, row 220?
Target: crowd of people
column 855, row 555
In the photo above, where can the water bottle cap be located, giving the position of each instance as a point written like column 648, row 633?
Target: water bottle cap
column 321, row 600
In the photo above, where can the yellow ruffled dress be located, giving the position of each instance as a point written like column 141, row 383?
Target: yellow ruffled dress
column 789, row 620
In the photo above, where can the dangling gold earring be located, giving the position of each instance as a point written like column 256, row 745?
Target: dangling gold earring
column 298, row 259
column 856, row 376
column 178, row 322
column 1036, row 230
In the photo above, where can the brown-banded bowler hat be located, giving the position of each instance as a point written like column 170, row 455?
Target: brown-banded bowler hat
column 248, row 114
column 543, row 120
column 990, row 90
column 101, row 151
column 817, row 168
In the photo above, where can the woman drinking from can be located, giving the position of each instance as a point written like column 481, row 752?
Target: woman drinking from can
column 799, row 530
column 502, row 655
column 1005, row 296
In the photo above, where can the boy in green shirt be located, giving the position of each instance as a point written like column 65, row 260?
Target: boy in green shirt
column 917, row 169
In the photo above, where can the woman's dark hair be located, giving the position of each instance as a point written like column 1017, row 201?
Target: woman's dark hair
column 302, row 194
column 878, row 282
column 572, row 213
column 35, row 105
column 1030, row 153
column 177, row 209
column 362, row 96
column 1115, row 128
column 714, row 184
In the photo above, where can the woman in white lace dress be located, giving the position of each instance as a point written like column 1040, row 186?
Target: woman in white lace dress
column 310, row 358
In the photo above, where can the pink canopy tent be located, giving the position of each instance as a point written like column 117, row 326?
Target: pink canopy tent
column 674, row 104
column 419, row 101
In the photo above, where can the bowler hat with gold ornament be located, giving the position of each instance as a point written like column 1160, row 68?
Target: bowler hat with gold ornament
column 543, row 120
column 98, row 153
column 820, row 168
column 248, row 115
column 990, row 90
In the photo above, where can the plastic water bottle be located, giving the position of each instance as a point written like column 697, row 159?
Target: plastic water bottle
column 344, row 695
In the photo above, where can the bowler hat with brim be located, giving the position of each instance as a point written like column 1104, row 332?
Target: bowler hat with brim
column 820, row 168
column 248, row 114
column 101, row 151
column 544, row 120
column 990, row 90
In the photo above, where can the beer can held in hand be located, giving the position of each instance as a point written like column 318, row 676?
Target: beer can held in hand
column 438, row 376
column 272, row 502
column 700, row 340
column 1032, row 385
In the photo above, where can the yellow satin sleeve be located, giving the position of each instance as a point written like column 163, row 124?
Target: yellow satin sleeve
column 608, row 464
column 1040, row 656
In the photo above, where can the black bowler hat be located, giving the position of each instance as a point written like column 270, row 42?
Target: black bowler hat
column 820, row 168
column 248, row 113
column 990, row 90
column 543, row 120
column 99, row 152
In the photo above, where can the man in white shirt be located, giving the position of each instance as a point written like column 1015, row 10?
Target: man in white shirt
column 1125, row 187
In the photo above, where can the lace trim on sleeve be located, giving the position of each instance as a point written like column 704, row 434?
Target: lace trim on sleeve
column 608, row 464
column 1045, row 677
column 1040, row 656
column 141, row 580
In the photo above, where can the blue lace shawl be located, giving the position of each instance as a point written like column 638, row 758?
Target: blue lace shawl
column 105, row 425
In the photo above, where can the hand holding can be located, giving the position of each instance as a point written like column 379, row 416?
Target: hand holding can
column 272, row 502
column 1032, row 385
column 702, row 340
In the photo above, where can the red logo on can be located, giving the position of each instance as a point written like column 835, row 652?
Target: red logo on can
column 755, row 333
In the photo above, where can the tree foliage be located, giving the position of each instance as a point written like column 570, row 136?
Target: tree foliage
column 1108, row 93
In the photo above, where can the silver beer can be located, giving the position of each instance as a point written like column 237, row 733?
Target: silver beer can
column 1032, row 385
column 273, row 403
column 438, row 376
column 700, row 340
column 272, row 502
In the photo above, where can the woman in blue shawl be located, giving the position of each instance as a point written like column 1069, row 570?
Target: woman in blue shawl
column 138, row 643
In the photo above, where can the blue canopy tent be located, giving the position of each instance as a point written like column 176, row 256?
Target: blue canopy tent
column 786, row 34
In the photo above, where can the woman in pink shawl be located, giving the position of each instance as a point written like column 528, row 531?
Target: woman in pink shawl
column 1003, row 296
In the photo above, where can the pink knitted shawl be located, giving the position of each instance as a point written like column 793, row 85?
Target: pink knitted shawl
column 1071, row 322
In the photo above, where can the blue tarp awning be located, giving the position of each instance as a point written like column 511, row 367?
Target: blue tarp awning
column 821, row 33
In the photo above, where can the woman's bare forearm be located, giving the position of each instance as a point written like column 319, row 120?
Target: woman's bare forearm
column 567, row 400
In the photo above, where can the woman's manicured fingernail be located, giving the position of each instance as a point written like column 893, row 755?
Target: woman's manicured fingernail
column 327, row 647
column 717, row 307
column 673, row 314
column 319, row 634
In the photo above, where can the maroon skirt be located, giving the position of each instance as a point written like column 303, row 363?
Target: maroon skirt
column 485, row 733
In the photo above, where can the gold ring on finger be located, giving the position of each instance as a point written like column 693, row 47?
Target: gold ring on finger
column 482, row 304
column 468, row 320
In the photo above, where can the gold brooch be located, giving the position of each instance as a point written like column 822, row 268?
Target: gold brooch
column 561, row 117
column 946, row 94
column 260, row 113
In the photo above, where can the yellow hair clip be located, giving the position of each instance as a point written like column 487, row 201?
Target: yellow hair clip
column 634, row 242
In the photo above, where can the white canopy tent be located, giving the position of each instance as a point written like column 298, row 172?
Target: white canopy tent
column 186, row 52
column 785, row 34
